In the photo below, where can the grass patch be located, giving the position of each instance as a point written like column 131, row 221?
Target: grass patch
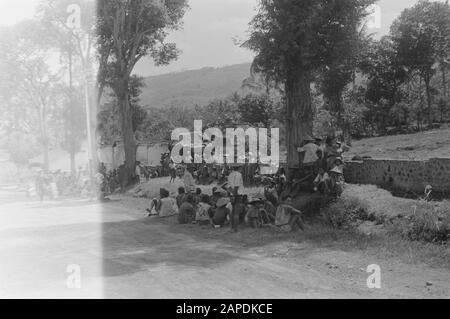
column 410, row 226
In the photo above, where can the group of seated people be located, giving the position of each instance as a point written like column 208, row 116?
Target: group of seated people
column 223, row 208
column 214, row 209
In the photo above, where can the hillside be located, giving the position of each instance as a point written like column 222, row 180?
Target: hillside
column 423, row 145
column 189, row 88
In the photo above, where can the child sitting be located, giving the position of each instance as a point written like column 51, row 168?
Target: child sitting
column 221, row 213
column 322, row 182
column 202, row 212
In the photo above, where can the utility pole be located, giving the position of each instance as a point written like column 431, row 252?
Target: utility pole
column 74, row 24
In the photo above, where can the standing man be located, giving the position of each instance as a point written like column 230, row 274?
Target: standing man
column 235, row 184
column 189, row 182
column 235, row 181
column 310, row 157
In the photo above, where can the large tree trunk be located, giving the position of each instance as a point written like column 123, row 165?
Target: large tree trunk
column 299, row 117
column 444, row 82
column 71, row 124
column 444, row 91
column 129, row 142
column 428, row 93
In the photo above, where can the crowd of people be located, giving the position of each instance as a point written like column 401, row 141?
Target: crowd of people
column 321, row 163
column 56, row 184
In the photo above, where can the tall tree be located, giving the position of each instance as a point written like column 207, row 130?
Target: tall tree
column 421, row 38
column 127, row 32
column 294, row 39
column 349, row 47
column 70, row 25
column 256, row 109
column 26, row 73
column 385, row 75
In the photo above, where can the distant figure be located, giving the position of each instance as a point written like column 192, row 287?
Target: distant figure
column 139, row 171
column 41, row 185
column 427, row 193
column 173, row 171
column 189, row 182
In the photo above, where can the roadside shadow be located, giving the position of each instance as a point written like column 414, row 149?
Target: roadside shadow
column 138, row 245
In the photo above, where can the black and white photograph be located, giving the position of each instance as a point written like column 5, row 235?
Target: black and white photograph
column 224, row 151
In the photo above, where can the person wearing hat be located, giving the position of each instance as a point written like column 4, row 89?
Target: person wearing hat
column 217, row 193
column 337, row 181
column 310, row 158
column 221, row 213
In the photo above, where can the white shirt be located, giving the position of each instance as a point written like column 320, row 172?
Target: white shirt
column 320, row 179
column 189, row 182
column 235, row 180
column 310, row 151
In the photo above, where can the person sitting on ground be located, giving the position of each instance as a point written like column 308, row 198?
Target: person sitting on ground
column 270, row 212
column 221, row 213
column 202, row 211
column 181, row 196
column 271, row 193
column 163, row 207
column 322, row 182
column 186, row 213
column 337, row 180
column 216, row 195
column 254, row 215
column 288, row 218
column 339, row 162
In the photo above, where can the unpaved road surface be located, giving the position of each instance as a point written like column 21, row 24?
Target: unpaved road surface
column 82, row 249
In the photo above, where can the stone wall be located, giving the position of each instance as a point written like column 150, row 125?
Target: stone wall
column 401, row 175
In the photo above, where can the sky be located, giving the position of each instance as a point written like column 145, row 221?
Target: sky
column 209, row 28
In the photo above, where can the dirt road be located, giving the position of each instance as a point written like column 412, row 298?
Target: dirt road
column 119, row 253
